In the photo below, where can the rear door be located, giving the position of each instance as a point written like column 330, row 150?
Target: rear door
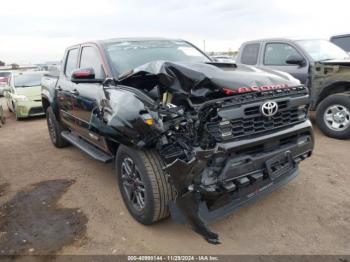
column 65, row 88
column 275, row 55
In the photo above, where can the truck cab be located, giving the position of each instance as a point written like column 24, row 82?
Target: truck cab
column 320, row 65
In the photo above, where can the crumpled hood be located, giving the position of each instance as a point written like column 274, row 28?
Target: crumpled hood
column 30, row 92
column 202, row 79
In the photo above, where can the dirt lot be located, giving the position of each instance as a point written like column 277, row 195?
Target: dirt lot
column 311, row 215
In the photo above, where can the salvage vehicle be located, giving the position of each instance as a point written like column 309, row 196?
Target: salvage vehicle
column 322, row 66
column 23, row 94
column 189, row 136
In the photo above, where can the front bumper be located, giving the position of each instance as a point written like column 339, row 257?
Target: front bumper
column 29, row 108
column 246, row 160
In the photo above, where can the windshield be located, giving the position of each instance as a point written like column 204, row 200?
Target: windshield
column 27, row 80
column 4, row 76
column 128, row 55
column 321, row 50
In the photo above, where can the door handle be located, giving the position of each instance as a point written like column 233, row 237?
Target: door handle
column 58, row 88
column 74, row 92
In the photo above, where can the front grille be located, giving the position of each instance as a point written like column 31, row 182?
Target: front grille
column 254, row 122
column 36, row 110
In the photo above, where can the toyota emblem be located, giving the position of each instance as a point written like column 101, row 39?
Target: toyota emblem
column 269, row 108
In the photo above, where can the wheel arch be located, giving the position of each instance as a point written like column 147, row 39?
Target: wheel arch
column 46, row 103
column 334, row 88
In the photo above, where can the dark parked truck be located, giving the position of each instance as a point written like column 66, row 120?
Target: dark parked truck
column 320, row 65
column 190, row 137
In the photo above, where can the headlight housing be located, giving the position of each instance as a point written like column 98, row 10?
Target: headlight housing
column 20, row 98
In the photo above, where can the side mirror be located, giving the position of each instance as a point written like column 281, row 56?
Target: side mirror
column 295, row 60
column 85, row 75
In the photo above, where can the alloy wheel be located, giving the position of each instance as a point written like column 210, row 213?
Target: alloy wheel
column 132, row 184
column 51, row 129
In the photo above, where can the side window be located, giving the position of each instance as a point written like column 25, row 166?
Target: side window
column 277, row 53
column 71, row 62
column 342, row 42
column 90, row 58
column 250, row 54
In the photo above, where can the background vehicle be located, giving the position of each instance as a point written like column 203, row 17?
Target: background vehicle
column 4, row 79
column 322, row 66
column 189, row 136
column 2, row 116
column 23, row 94
column 343, row 41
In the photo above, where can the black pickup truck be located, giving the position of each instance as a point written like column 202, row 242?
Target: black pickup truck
column 320, row 65
column 189, row 136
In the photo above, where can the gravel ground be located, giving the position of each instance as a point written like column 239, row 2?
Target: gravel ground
column 311, row 215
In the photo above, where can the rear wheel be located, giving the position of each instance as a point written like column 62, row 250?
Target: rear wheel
column 333, row 116
column 143, row 184
column 55, row 129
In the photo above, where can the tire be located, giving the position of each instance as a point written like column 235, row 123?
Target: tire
column 328, row 119
column 16, row 117
column 151, row 184
column 55, row 129
column 3, row 120
column 2, row 116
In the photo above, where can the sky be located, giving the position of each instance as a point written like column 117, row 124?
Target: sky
column 35, row 31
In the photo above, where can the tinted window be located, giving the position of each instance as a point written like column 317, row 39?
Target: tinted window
column 90, row 58
column 343, row 42
column 128, row 55
column 71, row 63
column 250, row 54
column 277, row 53
column 27, row 80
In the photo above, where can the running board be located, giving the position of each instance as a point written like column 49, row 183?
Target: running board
column 86, row 147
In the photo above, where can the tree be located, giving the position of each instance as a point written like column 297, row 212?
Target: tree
column 2, row 63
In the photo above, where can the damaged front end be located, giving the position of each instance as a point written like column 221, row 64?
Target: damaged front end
column 219, row 150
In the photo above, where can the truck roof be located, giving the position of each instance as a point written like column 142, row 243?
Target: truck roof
column 278, row 40
column 269, row 39
column 125, row 39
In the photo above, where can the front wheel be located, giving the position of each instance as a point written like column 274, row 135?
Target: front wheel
column 333, row 116
column 143, row 184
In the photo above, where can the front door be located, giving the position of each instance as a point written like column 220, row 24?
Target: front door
column 275, row 56
column 88, row 97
